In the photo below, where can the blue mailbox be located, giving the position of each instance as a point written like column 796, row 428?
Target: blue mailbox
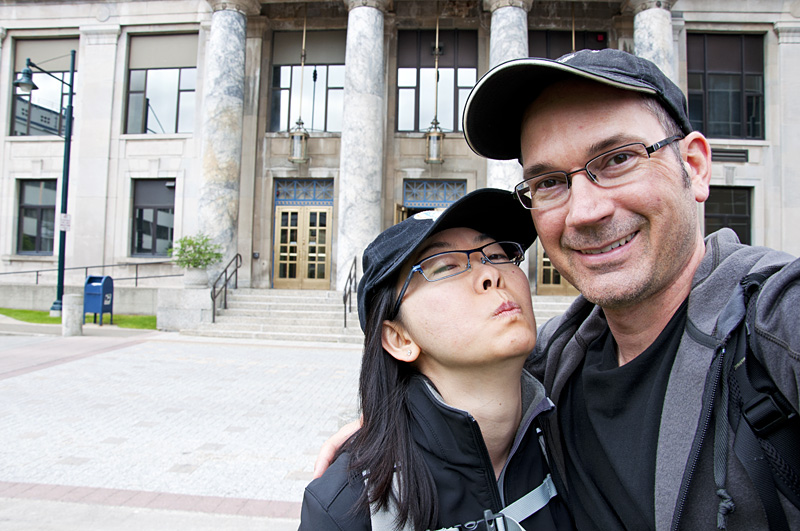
column 98, row 297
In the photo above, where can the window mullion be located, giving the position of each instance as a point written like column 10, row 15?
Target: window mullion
column 706, row 99
column 325, row 103
column 28, row 118
column 177, row 101
column 39, row 224
column 154, row 232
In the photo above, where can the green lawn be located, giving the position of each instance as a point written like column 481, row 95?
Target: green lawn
column 145, row 322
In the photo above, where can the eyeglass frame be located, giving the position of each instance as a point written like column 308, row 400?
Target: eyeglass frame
column 568, row 175
column 484, row 260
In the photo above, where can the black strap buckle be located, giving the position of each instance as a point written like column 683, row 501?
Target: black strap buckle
column 764, row 414
column 490, row 522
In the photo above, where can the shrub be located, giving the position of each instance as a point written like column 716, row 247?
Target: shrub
column 195, row 251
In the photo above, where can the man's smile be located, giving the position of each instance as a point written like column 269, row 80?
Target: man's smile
column 611, row 246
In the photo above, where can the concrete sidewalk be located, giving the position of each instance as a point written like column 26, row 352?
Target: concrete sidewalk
column 125, row 429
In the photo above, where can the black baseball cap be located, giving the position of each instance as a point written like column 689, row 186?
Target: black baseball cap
column 495, row 107
column 491, row 211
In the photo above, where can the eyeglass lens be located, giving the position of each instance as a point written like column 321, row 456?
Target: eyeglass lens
column 612, row 168
column 450, row 263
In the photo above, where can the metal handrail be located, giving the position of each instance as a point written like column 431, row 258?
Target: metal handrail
column 349, row 287
column 86, row 269
column 224, row 288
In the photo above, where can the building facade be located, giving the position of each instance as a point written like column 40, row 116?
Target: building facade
column 184, row 110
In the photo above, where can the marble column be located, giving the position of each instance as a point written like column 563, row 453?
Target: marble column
column 222, row 109
column 361, row 162
column 652, row 33
column 91, row 182
column 781, row 187
column 508, row 40
column 256, row 26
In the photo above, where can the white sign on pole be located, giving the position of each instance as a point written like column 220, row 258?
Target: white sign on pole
column 64, row 222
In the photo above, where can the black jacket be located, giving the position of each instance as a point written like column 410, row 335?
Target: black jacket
column 453, row 448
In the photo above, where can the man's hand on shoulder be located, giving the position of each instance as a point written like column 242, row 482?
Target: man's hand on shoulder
column 332, row 445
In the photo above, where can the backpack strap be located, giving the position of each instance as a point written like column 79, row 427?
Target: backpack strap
column 531, row 502
column 507, row 519
column 766, row 442
column 385, row 518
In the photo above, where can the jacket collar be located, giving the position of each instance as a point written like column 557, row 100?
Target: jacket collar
column 452, row 434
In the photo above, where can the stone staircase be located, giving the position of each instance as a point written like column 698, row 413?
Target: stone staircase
column 289, row 315
column 305, row 315
column 548, row 306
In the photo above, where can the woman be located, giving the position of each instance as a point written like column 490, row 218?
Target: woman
column 449, row 416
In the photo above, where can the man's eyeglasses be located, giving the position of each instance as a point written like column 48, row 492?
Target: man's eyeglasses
column 612, row 168
column 451, row 263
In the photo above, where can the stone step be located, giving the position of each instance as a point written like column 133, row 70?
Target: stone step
column 311, row 315
column 284, row 317
column 288, row 314
column 298, row 327
column 303, row 306
column 287, row 294
column 274, row 336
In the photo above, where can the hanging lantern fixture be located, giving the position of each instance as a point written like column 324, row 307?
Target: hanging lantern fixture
column 434, row 137
column 298, row 144
column 298, row 136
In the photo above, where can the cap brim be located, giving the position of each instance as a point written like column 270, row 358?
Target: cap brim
column 491, row 211
column 495, row 107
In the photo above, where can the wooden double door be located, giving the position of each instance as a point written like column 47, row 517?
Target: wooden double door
column 302, row 251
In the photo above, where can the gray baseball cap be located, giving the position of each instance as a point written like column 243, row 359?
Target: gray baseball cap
column 495, row 107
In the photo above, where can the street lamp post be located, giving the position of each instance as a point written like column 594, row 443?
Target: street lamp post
column 26, row 85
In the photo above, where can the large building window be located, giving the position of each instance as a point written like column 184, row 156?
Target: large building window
column 37, row 214
column 726, row 84
column 43, row 111
column 552, row 44
column 153, row 216
column 729, row 206
column 321, row 81
column 416, row 77
column 162, row 75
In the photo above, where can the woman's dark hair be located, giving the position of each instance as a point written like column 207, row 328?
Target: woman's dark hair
column 384, row 440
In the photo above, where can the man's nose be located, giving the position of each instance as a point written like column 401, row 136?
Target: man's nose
column 587, row 203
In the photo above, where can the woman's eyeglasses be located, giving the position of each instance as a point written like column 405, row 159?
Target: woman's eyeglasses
column 451, row 263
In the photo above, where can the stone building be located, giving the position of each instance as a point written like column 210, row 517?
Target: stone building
column 184, row 111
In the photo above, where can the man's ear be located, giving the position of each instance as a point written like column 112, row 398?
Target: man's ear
column 398, row 343
column 696, row 154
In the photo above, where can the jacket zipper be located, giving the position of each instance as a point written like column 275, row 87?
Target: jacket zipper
column 699, row 439
column 476, row 433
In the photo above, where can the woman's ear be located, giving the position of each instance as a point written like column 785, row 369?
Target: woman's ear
column 398, row 343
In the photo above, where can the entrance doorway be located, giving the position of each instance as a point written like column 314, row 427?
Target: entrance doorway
column 302, row 243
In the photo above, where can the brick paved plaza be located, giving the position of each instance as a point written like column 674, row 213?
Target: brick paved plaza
column 158, row 431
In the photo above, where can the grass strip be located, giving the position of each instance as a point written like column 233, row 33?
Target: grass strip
column 142, row 322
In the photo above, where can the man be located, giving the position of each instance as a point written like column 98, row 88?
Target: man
column 633, row 440
column 613, row 175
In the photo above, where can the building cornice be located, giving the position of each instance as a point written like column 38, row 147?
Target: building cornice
column 382, row 5
column 493, row 5
column 788, row 32
column 245, row 7
column 637, row 6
